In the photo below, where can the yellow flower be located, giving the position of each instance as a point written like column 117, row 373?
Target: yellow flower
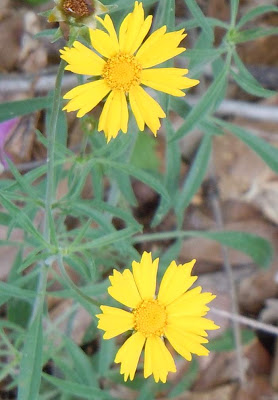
column 176, row 313
column 126, row 66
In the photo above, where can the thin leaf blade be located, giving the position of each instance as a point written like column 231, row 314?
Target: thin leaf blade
column 30, row 366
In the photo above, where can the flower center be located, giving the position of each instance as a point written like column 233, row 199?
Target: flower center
column 78, row 8
column 122, row 71
column 150, row 318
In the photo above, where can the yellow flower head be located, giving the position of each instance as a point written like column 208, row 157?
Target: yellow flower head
column 176, row 313
column 126, row 64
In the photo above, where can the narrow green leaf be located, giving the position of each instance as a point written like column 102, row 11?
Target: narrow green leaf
column 258, row 248
column 246, row 80
column 172, row 173
column 93, row 290
column 123, row 186
column 195, row 176
column 88, row 208
column 22, row 219
column 24, row 185
column 200, row 17
column 10, row 325
column 7, row 290
column 256, row 12
column 145, row 155
column 226, row 341
column 82, row 231
column 106, row 240
column 82, row 365
column 267, row 152
column 29, row 177
column 60, row 148
column 202, row 109
column 45, row 33
column 5, row 219
column 30, row 367
column 66, row 365
column 186, row 382
column 255, row 33
column 172, row 253
column 142, row 176
column 76, row 389
column 203, row 55
column 234, row 10
column 77, row 178
column 165, row 15
column 22, row 107
column 96, row 216
column 38, row 254
column 106, row 356
column 20, row 311
column 193, row 23
column 147, row 391
column 10, row 291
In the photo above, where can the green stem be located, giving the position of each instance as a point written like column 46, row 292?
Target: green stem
column 49, row 196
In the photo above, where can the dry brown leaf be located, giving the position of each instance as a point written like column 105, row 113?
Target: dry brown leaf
column 254, row 290
column 223, row 366
column 32, row 56
column 224, row 392
column 256, row 388
column 209, row 254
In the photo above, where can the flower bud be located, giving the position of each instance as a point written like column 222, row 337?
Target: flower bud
column 77, row 12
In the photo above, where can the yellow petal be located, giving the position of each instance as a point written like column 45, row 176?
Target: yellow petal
column 109, row 26
column 176, row 280
column 114, row 321
column 128, row 355
column 168, row 80
column 160, row 47
column 152, row 39
column 133, row 29
column 103, row 43
column 103, row 116
column 82, row 60
column 190, row 303
column 114, row 115
column 138, row 114
column 85, row 97
column 124, row 289
column 185, row 343
column 144, row 273
column 191, row 324
column 145, row 109
column 124, row 113
column 158, row 360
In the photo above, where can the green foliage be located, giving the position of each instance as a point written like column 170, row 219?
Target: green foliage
column 35, row 2
column 226, row 341
column 256, row 247
column 31, row 363
column 22, row 107
column 144, row 155
column 195, row 176
column 104, row 226
column 187, row 380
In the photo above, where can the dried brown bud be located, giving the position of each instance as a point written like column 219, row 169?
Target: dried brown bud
column 77, row 12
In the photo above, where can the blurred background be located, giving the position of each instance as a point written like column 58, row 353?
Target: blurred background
column 239, row 192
